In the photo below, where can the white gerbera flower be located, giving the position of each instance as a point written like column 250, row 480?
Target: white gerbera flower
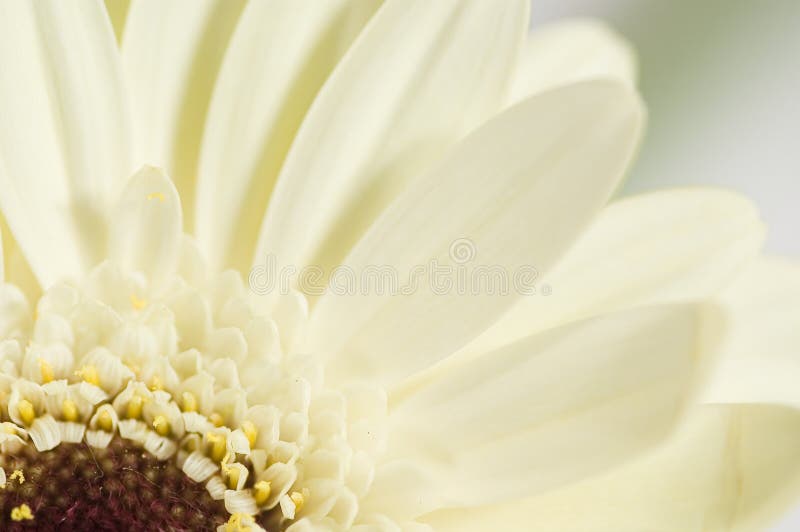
column 144, row 385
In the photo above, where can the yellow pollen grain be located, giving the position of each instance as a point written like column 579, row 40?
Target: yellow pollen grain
column 21, row 513
column 216, row 419
column 299, row 499
column 218, row 450
column 69, row 410
column 189, row 402
column 261, row 492
column 89, row 374
column 104, row 421
column 134, row 410
column 155, row 195
column 17, row 475
column 46, row 370
column 137, row 303
column 161, row 425
column 26, row 411
column 251, row 431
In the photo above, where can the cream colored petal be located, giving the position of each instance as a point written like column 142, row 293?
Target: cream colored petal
column 519, row 190
column 568, row 51
column 279, row 56
column 759, row 351
column 420, row 76
column 147, row 227
column 64, row 141
column 15, row 267
column 666, row 246
column 732, row 468
column 171, row 53
column 548, row 410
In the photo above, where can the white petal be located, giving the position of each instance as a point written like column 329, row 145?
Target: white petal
column 729, row 468
column 279, row 56
column 117, row 12
column 571, row 50
column 147, row 226
column 548, row 410
column 418, row 78
column 44, row 433
column 517, row 191
column 64, row 142
column 171, row 53
column 669, row 246
column 759, row 339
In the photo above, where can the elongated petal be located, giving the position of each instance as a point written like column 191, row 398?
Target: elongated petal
column 15, row 268
column 676, row 245
column 64, row 143
column 759, row 354
column 568, row 51
column 171, row 53
column 520, row 189
column 550, row 409
column 280, row 54
column 147, row 229
column 421, row 76
column 117, row 13
column 733, row 467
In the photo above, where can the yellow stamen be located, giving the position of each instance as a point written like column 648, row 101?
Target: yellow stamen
column 261, row 491
column 218, row 451
column 161, row 425
column 26, row 411
column 137, row 303
column 69, row 410
column 216, row 419
column 231, row 475
column 21, row 513
column 105, row 421
column 155, row 383
column 89, row 374
column 155, row 195
column 251, row 431
column 189, row 402
column 299, row 499
column 235, row 524
column 134, row 410
column 46, row 370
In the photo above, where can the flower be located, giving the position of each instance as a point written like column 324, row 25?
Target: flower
column 145, row 385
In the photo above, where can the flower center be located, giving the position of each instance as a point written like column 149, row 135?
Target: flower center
column 123, row 403
column 119, row 487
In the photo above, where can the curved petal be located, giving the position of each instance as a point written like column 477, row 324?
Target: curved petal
column 420, row 76
column 15, row 269
column 64, row 141
column 117, row 13
column 517, row 192
column 732, row 467
column 667, row 246
column 548, row 410
column 171, row 53
column 759, row 353
column 279, row 56
column 568, row 51
column 146, row 233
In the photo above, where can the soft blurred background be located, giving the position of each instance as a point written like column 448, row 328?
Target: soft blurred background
column 721, row 79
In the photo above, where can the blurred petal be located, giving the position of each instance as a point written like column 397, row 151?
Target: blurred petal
column 117, row 13
column 733, row 467
column 279, row 56
column 568, row 51
column 667, row 246
column 420, row 76
column 147, row 228
column 550, row 162
column 548, row 410
column 171, row 52
column 64, row 141
column 760, row 337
